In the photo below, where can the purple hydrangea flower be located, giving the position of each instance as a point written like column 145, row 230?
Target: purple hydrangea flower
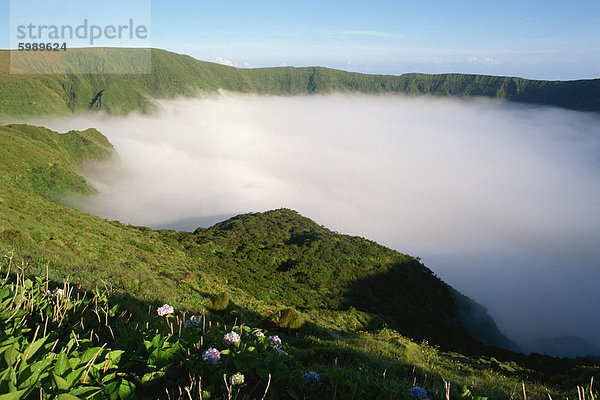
column 275, row 341
column 418, row 393
column 211, row 356
column 231, row 338
column 310, row 377
column 164, row 310
column 281, row 352
column 236, row 379
column 194, row 322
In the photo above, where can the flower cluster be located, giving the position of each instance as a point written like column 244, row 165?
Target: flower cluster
column 310, row 377
column 236, row 379
column 164, row 310
column 55, row 293
column 260, row 334
column 418, row 393
column 275, row 340
column 194, row 322
column 231, row 338
column 211, row 356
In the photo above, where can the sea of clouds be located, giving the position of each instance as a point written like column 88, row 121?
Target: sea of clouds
column 500, row 200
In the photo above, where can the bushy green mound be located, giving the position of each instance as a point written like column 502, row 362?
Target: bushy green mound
column 180, row 75
column 220, row 302
column 281, row 257
column 288, row 318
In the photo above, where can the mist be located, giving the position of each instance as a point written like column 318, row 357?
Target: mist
column 501, row 201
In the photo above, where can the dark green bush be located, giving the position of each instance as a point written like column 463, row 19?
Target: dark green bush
column 220, row 302
column 288, row 318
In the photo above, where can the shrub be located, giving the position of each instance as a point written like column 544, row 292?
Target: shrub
column 288, row 318
column 220, row 302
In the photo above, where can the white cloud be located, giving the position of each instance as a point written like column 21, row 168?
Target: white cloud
column 231, row 63
column 225, row 61
column 369, row 33
column 484, row 60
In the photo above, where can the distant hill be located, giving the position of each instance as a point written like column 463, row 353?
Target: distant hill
column 180, row 75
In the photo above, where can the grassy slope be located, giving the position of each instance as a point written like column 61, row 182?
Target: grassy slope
column 175, row 74
column 36, row 165
column 256, row 259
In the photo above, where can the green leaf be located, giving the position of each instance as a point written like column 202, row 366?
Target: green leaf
column 113, row 311
column 9, row 342
column 72, row 342
column 67, row 396
column 85, row 391
column 163, row 357
column 11, row 354
column 9, row 379
column 62, row 364
column 157, row 341
column 12, row 395
column 114, row 356
column 112, row 390
column 60, row 382
column 151, row 376
column 35, row 346
column 74, row 362
column 89, row 354
column 149, row 346
column 126, row 390
column 74, row 376
column 31, row 375
column 465, row 391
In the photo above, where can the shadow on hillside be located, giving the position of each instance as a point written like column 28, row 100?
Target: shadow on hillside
column 425, row 309
column 411, row 299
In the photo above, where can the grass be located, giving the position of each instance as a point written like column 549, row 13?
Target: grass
column 59, row 341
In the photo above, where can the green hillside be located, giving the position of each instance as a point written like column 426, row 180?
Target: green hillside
column 320, row 271
column 180, row 75
column 345, row 306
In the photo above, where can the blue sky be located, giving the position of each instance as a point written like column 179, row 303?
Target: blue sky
column 532, row 39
